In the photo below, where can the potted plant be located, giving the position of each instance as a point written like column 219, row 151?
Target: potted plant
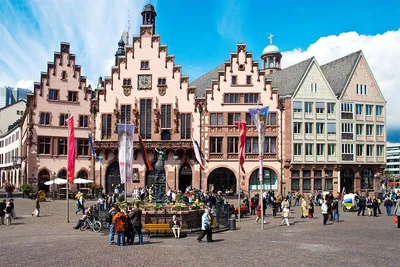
column 26, row 189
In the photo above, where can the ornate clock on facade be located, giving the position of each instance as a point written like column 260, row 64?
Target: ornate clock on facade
column 144, row 82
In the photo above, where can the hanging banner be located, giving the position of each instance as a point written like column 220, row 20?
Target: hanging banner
column 125, row 149
column 242, row 141
column 71, row 149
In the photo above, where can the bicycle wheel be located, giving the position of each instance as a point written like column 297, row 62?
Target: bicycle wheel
column 96, row 226
column 83, row 226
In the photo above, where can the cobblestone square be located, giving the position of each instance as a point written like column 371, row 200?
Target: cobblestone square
column 50, row 241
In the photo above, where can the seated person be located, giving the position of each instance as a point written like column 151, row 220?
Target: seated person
column 80, row 222
column 175, row 226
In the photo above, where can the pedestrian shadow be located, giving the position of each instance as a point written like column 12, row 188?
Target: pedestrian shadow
column 218, row 240
column 17, row 223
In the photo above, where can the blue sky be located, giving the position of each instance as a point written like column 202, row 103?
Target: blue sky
column 201, row 34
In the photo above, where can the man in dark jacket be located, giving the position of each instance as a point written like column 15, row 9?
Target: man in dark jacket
column 135, row 218
column 362, row 204
column 3, row 205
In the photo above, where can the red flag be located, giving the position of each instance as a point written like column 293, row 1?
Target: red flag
column 71, row 150
column 144, row 154
column 242, row 141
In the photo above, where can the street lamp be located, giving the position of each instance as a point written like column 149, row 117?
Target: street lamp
column 54, row 184
column 200, row 114
column 100, row 158
column 176, row 158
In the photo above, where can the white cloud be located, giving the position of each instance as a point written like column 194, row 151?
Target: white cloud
column 225, row 26
column 31, row 35
column 25, row 84
column 382, row 52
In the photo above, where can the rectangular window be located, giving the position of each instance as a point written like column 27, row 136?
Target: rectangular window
column 251, row 98
column 146, row 118
column 317, row 184
column 320, row 107
column 297, row 149
column 308, row 107
column 252, row 145
column 331, row 127
column 295, row 184
column 379, row 150
column 379, row 130
column 331, row 108
column 270, row 145
column 233, row 143
column 379, row 111
column 313, row 87
column 370, row 150
column 297, row 106
column 166, row 116
column 44, row 118
column 308, row 127
column 359, row 150
column 233, row 117
column 186, row 128
column 357, row 90
column 234, row 79
column 144, row 65
column 318, row 173
column 105, row 126
column 359, row 129
column 72, row 96
column 53, row 94
column 347, row 107
column 295, row 173
column 297, row 127
column 249, row 120
column 306, row 184
column 231, row 98
column 248, row 79
column 216, row 144
column 320, row 128
column 347, row 127
column 359, row 109
column 83, row 121
column 62, row 146
column 368, row 110
column 370, row 129
column 216, row 119
column 347, row 149
column 162, row 81
column 44, row 145
column 83, row 147
column 320, row 149
column 309, row 149
column 272, row 118
column 306, row 173
column 126, row 114
column 63, row 119
column 328, row 184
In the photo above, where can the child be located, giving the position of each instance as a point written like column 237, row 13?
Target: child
column 285, row 215
column 8, row 214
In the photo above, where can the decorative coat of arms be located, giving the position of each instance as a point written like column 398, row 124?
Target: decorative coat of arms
column 127, row 91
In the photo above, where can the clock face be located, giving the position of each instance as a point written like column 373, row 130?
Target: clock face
column 144, row 81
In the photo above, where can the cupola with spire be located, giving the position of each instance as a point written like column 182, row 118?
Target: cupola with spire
column 120, row 51
column 271, row 57
column 149, row 16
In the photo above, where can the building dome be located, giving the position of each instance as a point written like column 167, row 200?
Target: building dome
column 271, row 49
column 148, row 8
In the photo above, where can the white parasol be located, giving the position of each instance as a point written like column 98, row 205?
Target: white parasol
column 56, row 181
column 82, row 181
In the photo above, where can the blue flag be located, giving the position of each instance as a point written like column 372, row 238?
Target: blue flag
column 91, row 145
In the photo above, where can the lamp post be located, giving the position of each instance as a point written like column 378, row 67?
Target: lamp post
column 54, row 177
column 176, row 158
column 94, row 112
column 200, row 142
column 100, row 158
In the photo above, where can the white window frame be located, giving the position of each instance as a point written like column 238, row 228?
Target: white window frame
column 369, row 130
column 320, row 149
column 347, row 127
column 359, row 129
column 297, row 149
column 331, row 148
column 370, row 150
column 309, row 148
column 359, row 150
column 347, row 149
column 297, row 127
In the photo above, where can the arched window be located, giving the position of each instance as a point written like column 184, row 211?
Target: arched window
column 270, row 181
column 367, row 181
column 83, row 174
column 271, row 62
column 62, row 174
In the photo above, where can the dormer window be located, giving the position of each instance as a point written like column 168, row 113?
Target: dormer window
column 144, row 65
column 162, row 81
column 248, row 79
column 313, row 87
column 234, row 79
column 126, row 82
column 64, row 75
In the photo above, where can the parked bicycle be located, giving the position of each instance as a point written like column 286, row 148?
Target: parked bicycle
column 92, row 224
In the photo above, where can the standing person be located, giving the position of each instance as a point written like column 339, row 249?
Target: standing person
column 36, row 212
column 101, row 201
column 324, row 210
column 12, row 209
column 304, row 210
column 110, row 217
column 311, row 210
column 397, row 213
column 119, row 221
column 136, row 220
column 253, row 206
column 274, row 205
column 3, row 206
column 369, row 206
column 362, row 205
column 205, row 227
column 335, row 208
column 279, row 201
column 289, row 198
column 285, row 215
column 375, row 206
column 80, row 203
column 8, row 212
column 379, row 204
column 388, row 204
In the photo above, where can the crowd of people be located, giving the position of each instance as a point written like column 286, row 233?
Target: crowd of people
column 7, row 211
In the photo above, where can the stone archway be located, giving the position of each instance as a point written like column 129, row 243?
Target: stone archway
column 221, row 179
column 347, row 180
column 270, row 180
column 62, row 174
column 185, row 177
column 43, row 177
column 113, row 178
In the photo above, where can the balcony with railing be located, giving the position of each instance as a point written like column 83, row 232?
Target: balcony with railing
column 309, row 158
column 370, row 138
column 320, row 158
column 320, row 116
column 360, row 117
column 331, row 158
column 347, row 157
column 347, row 136
column 331, row 116
column 320, row 136
column 309, row 136
column 380, row 119
column 308, row 115
column 370, row 159
column 380, row 138
column 297, row 136
column 380, row 159
column 346, row 116
column 298, row 158
column 331, row 136
column 369, row 118
column 360, row 159
column 297, row 115
column 360, row 137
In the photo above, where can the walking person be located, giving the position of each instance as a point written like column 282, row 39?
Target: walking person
column 136, row 220
column 375, row 206
column 324, row 210
column 110, row 217
column 311, row 210
column 36, row 211
column 285, row 203
column 285, row 215
column 205, row 227
column 304, row 208
column 80, row 203
column 8, row 211
column 388, row 205
column 101, row 202
column 362, row 204
column 3, row 206
column 397, row 213
column 379, row 204
column 335, row 208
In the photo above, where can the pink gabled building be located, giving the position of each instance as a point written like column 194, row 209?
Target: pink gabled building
column 61, row 92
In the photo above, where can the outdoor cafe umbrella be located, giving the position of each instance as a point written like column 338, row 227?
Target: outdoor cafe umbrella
column 56, row 181
column 82, row 181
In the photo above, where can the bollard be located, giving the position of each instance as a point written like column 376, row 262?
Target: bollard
column 232, row 224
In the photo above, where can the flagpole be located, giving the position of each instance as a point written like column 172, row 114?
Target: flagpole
column 238, row 189
column 67, row 194
column 262, row 190
column 125, row 187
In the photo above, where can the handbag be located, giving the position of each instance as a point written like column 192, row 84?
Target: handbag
column 394, row 219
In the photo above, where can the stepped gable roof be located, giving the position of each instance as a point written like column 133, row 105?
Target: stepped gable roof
column 287, row 80
column 204, row 81
column 338, row 72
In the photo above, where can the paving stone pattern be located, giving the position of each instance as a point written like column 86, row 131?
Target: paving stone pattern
column 50, row 241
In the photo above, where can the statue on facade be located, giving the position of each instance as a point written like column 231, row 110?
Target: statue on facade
column 159, row 176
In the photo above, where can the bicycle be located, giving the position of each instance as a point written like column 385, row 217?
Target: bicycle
column 94, row 225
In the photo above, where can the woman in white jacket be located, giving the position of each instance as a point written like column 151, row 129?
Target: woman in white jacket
column 324, row 209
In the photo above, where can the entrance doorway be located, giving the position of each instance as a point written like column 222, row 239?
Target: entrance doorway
column 347, row 180
column 185, row 177
column 43, row 177
column 222, row 179
column 113, row 178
